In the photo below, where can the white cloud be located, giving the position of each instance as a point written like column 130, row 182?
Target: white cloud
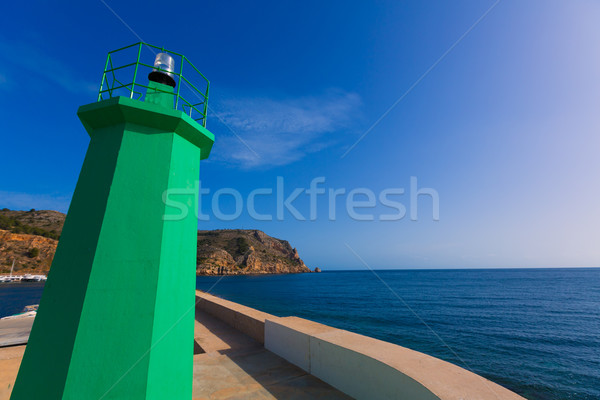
column 27, row 201
column 259, row 132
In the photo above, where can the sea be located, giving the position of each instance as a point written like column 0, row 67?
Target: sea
column 534, row 331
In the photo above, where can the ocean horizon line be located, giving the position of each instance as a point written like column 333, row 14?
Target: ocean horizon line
column 453, row 269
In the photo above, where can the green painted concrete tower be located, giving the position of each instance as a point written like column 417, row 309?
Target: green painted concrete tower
column 116, row 319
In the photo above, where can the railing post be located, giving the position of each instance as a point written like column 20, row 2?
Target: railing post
column 206, row 103
column 137, row 63
column 103, row 78
column 179, row 84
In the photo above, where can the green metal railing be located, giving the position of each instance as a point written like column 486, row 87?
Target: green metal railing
column 113, row 85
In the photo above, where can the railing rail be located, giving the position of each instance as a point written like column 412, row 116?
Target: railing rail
column 191, row 95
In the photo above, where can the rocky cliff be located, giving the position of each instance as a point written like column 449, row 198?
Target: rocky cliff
column 31, row 253
column 241, row 251
column 30, row 238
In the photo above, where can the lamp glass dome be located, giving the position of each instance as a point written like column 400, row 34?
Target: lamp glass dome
column 164, row 62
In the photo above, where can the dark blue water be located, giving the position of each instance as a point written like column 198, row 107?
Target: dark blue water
column 536, row 332
column 15, row 296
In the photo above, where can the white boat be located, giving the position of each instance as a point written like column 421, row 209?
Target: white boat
column 11, row 277
column 33, row 278
column 21, row 278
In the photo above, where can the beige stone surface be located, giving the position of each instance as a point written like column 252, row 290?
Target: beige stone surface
column 230, row 362
column 290, row 337
column 447, row 381
column 245, row 319
column 236, row 366
column 15, row 331
column 10, row 359
column 230, row 365
column 304, row 325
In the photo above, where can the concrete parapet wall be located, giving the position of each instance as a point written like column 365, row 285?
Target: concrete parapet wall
column 290, row 338
column 367, row 368
column 245, row 319
column 359, row 374
column 360, row 366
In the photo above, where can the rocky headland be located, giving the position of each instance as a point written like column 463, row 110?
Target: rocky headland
column 29, row 238
column 242, row 251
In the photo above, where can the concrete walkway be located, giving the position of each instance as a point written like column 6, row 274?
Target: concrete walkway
column 227, row 365
column 234, row 366
column 10, row 359
column 15, row 331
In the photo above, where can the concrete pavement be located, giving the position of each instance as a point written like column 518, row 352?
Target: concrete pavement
column 227, row 365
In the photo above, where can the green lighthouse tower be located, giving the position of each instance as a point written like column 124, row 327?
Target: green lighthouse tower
column 116, row 318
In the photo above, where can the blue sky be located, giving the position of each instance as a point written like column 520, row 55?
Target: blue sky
column 505, row 126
